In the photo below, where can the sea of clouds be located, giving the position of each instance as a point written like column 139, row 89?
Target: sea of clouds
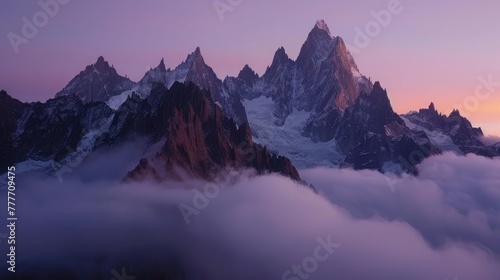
column 443, row 224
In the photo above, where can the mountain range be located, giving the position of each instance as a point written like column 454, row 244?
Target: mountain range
column 316, row 110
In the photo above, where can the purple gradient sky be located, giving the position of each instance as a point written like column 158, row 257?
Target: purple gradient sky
column 431, row 51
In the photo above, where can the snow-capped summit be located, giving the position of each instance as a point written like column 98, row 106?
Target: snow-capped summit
column 317, row 110
column 98, row 82
column 323, row 81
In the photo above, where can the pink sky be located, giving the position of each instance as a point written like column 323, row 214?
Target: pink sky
column 430, row 51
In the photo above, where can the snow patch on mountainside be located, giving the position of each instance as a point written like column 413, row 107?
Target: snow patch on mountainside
column 287, row 140
column 85, row 146
column 116, row 101
column 437, row 138
column 27, row 166
column 31, row 165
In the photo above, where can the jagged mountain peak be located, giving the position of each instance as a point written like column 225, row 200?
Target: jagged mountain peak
column 377, row 87
column 379, row 96
column 101, row 65
column 162, row 66
column 101, row 61
column 432, row 108
column 98, row 82
column 280, row 57
column 430, row 111
column 318, row 45
column 322, row 26
column 451, row 132
column 248, row 75
column 194, row 63
column 194, row 69
column 247, row 70
column 201, row 139
column 195, row 56
column 281, row 54
column 455, row 113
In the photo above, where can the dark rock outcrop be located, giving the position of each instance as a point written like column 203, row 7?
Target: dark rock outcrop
column 372, row 134
column 195, row 70
column 248, row 75
column 464, row 136
column 98, row 82
column 324, row 80
column 198, row 138
column 47, row 131
column 11, row 110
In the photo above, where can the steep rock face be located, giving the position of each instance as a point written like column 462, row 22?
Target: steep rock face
column 496, row 149
column 198, row 138
column 98, row 82
column 309, row 96
column 317, row 110
column 194, row 69
column 248, row 76
column 323, row 81
column 153, row 76
column 373, row 136
column 279, row 77
column 450, row 133
column 11, row 110
column 325, row 56
column 49, row 131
